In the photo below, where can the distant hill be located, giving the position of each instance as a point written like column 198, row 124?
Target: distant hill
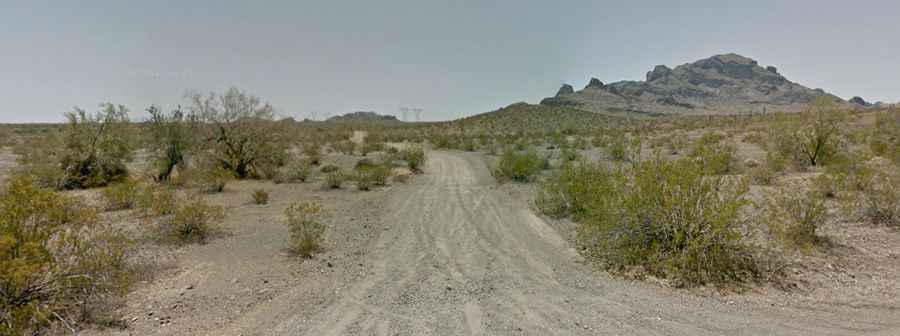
column 363, row 117
column 722, row 84
column 525, row 118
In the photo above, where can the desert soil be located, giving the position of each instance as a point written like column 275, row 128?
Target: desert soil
column 448, row 253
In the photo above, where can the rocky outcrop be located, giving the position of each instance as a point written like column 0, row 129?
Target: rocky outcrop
column 658, row 72
column 722, row 84
column 566, row 89
column 594, row 84
column 857, row 100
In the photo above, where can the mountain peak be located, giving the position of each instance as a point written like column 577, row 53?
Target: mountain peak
column 720, row 84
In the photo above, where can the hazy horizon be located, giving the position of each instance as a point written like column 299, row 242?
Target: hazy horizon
column 450, row 59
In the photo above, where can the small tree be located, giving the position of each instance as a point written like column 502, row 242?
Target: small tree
column 96, row 147
column 241, row 133
column 171, row 137
column 817, row 137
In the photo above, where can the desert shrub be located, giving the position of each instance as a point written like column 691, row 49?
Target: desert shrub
column 669, row 219
column 170, row 137
column 334, row 180
column 306, row 232
column 260, row 197
column 713, row 155
column 58, row 264
column 414, row 157
column 769, row 170
column 879, row 198
column 96, row 148
column 192, row 222
column 329, row 168
column 313, row 152
column 369, row 147
column 209, row 179
column 885, row 140
column 793, row 217
column 157, row 201
column 122, row 195
column 242, row 135
column 568, row 154
column 518, row 166
column 617, row 149
column 571, row 189
column 344, row 147
column 370, row 175
column 814, row 137
column 39, row 158
column 293, row 172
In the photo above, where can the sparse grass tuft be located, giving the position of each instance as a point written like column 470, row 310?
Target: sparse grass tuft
column 260, row 197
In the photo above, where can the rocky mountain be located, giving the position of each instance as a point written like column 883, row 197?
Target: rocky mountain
column 722, row 84
column 363, row 116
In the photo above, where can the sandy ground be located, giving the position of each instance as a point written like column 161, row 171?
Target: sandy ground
column 449, row 253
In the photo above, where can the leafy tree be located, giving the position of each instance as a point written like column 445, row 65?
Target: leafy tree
column 241, row 132
column 96, row 148
column 171, row 137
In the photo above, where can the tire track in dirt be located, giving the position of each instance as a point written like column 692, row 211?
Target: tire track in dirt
column 462, row 258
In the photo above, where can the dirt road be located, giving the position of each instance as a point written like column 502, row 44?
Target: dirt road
column 459, row 258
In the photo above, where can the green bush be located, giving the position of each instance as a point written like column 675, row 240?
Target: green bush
column 192, row 222
column 414, row 157
column 96, row 148
column 122, row 195
column 371, row 175
column 157, row 201
column 306, row 232
column 518, row 166
column 209, row 180
column 171, row 136
column 668, row 219
column 713, row 155
column 241, row 134
column 260, row 197
column 814, row 137
column 794, row 217
column 334, row 180
column 58, row 264
column 293, row 173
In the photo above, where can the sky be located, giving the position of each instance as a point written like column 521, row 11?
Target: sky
column 313, row 59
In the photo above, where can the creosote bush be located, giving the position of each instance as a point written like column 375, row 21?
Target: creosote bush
column 518, row 166
column 665, row 218
column 714, row 156
column 260, row 197
column 793, row 218
column 293, row 172
column 334, row 180
column 414, row 157
column 122, row 195
column 58, row 264
column 158, row 200
column 192, row 223
column 306, row 231
column 209, row 180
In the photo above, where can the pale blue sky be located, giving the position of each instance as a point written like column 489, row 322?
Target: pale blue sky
column 451, row 58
